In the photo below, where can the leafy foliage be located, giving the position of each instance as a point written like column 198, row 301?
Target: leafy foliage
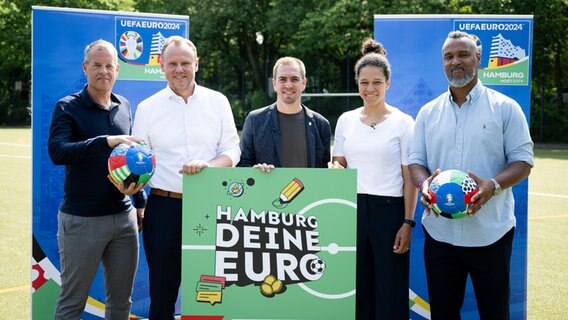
column 238, row 42
column 15, row 48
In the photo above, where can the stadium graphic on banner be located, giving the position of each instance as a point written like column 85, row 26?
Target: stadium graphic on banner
column 139, row 42
column 507, row 60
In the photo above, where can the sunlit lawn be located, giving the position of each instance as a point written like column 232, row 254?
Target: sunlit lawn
column 548, row 227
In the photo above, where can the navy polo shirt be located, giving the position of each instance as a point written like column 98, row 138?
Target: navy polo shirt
column 77, row 140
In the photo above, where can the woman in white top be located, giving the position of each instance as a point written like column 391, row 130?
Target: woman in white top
column 374, row 140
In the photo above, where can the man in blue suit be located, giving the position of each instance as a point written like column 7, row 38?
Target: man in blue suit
column 286, row 133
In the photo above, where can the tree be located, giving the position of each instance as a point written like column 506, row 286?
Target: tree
column 325, row 34
column 15, row 46
column 237, row 54
column 550, row 46
column 15, row 63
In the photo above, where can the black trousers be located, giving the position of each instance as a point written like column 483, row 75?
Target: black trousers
column 382, row 275
column 162, row 243
column 448, row 266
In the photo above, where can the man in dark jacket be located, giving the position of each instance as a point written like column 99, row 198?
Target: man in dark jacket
column 286, row 133
column 97, row 222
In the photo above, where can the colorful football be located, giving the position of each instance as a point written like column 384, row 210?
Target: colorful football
column 451, row 193
column 128, row 164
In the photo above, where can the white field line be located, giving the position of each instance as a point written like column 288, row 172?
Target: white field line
column 14, row 157
column 14, row 289
column 15, row 144
column 548, row 195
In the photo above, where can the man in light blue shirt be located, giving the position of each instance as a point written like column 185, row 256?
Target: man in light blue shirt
column 485, row 133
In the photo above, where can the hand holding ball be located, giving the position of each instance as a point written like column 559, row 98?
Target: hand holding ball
column 131, row 164
column 451, row 193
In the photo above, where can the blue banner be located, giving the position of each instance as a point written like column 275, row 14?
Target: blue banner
column 59, row 37
column 414, row 44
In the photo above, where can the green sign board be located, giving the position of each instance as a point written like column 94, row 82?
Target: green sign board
column 278, row 245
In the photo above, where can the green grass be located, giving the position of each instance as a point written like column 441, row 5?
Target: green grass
column 548, row 225
column 15, row 223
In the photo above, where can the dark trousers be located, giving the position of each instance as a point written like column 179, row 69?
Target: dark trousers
column 448, row 266
column 382, row 275
column 162, row 243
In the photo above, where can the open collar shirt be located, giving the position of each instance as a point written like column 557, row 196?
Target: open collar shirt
column 487, row 133
column 261, row 139
column 78, row 140
column 177, row 132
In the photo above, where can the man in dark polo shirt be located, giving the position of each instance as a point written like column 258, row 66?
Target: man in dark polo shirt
column 286, row 133
column 96, row 220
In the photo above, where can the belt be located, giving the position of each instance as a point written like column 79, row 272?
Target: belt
column 164, row 193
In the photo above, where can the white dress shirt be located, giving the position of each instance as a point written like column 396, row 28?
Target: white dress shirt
column 177, row 132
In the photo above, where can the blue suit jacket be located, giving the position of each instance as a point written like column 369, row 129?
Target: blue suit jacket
column 261, row 141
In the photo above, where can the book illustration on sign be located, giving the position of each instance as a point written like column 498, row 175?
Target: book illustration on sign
column 210, row 289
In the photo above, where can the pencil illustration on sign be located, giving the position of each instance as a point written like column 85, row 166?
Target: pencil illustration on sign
column 290, row 191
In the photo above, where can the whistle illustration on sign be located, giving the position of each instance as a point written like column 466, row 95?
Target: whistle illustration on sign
column 236, row 189
column 290, row 191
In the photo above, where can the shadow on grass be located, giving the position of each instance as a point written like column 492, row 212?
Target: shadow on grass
column 556, row 152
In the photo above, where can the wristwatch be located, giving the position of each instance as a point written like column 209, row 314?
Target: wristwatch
column 410, row 222
column 497, row 186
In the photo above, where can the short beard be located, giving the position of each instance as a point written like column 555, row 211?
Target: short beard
column 460, row 82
